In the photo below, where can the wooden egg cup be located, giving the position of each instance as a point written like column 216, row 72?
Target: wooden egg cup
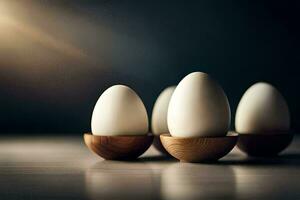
column 118, row 147
column 269, row 144
column 158, row 145
column 199, row 149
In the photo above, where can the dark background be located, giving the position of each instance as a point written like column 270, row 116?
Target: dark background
column 57, row 57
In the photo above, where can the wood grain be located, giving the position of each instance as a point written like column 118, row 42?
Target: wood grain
column 118, row 147
column 200, row 149
column 61, row 167
column 264, row 144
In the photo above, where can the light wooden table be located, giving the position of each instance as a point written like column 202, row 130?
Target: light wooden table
column 48, row 167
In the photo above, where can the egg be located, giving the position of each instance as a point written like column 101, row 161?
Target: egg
column 119, row 111
column 198, row 107
column 262, row 110
column 159, row 123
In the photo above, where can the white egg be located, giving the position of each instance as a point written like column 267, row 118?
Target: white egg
column 262, row 109
column 119, row 111
column 198, row 107
column 159, row 123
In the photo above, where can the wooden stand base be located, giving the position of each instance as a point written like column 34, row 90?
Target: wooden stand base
column 118, row 147
column 264, row 144
column 200, row 149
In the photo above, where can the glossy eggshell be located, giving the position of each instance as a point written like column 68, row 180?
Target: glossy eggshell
column 198, row 107
column 119, row 111
column 262, row 110
column 159, row 123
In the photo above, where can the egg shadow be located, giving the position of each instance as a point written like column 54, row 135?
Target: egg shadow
column 156, row 158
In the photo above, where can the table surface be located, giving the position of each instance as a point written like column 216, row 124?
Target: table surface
column 61, row 167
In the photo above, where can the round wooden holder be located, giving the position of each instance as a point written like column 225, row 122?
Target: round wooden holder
column 158, row 145
column 199, row 149
column 118, row 147
column 269, row 144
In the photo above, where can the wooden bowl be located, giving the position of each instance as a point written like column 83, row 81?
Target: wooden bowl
column 118, row 147
column 158, row 145
column 199, row 149
column 269, row 144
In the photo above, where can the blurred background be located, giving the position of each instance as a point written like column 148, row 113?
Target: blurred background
column 58, row 56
